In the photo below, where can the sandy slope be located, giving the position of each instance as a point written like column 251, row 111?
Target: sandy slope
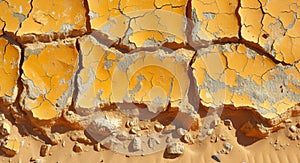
column 264, row 150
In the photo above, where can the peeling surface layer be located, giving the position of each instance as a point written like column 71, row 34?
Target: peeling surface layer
column 48, row 78
column 275, row 27
column 47, row 18
column 214, row 19
column 139, row 23
column 131, row 71
column 13, row 13
column 152, row 78
column 9, row 70
column 235, row 75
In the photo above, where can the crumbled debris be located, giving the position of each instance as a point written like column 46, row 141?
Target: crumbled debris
column 227, row 122
column 152, row 142
column 176, row 148
column 181, row 131
column 188, row 138
column 11, row 147
column 137, row 144
column 2, row 117
column 97, row 147
column 228, row 146
column 158, row 127
column 45, row 149
column 134, row 130
column 36, row 160
column 77, row 148
column 4, row 128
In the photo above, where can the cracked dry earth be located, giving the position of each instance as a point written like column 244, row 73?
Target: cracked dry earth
column 152, row 80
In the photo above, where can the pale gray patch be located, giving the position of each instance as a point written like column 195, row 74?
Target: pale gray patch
column 106, row 28
column 63, row 99
column 208, row 15
column 250, row 53
column 125, row 63
column 66, row 28
column 20, row 9
column 21, row 17
column 93, row 15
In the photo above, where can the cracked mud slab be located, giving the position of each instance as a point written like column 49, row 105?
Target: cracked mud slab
column 214, row 19
column 152, row 78
column 52, row 18
column 9, row 70
column 140, row 23
column 275, row 27
column 13, row 13
column 48, row 77
column 235, row 75
column 145, row 68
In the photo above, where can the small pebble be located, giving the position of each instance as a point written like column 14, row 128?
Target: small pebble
column 288, row 121
column 45, row 149
column 158, row 127
column 97, row 147
column 298, row 125
column 216, row 158
column 227, row 122
column 228, row 146
column 293, row 128
column 77, row 148
column 188, row 138
column 181, row 131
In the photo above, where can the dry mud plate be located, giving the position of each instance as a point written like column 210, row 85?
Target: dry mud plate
column 156, row 81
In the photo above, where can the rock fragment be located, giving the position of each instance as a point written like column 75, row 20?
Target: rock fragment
column 175, row 148
column 97, row 147
column 293, row 128
column 216, row 158
column 11, row 147
column 77, row 148
column 4, row 128
column 214, row 138
column 227, row 146
column 137, row 144
column 134, row 130
column 36, row 160
column 2, row 117
column 181, row 131
column 255, row 130
column 169, row 128
column 152, row 142
column 288, row 121
column 227, row 122
column 298, row 125
column 45, row 149
column 188, row 138
column 158, row 127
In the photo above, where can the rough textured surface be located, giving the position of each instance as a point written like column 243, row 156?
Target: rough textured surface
column 139, row 23
column 9, row 70
column 48, row 77
column 50, row 18
column 233, row 74
column 275, row 27
column 147, row 76
column 153, row 78
column 214, row 19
